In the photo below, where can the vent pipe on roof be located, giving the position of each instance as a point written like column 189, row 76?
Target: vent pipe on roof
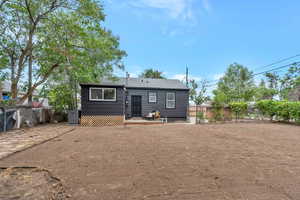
column 187, row 76
column 127, row 77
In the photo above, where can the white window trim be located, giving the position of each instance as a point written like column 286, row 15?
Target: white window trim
column 155, row 97
column 170, row 100
column 90, row 94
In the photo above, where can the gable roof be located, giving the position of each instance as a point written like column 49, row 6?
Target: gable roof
column 144, row 83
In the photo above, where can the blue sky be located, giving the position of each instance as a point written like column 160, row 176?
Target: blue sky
column 205, row 35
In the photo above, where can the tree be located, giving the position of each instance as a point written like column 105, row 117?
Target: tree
column 62, row 37
column 239, row 108
column 273, row 84
column 61, row 97
column 273, row 80
column 198, row 95
column 151, row 73
column 263, row 92
column 3, row 74
column 289, row 82
column 236, row 85
column 198, row 92
column 218, row 104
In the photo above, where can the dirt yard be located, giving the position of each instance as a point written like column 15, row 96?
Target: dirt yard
column 176, row 162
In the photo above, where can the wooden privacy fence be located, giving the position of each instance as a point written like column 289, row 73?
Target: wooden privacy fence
column 194, row 109
column 208, row 112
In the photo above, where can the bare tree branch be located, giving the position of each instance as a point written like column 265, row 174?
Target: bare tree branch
column 29, row 11
column 45, row 77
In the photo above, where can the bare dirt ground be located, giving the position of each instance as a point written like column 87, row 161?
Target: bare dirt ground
column 176, row 162
column 31, row 183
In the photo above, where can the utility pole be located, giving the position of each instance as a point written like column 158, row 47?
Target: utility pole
column 187, row 76
column 187, row 85
column 30, row 79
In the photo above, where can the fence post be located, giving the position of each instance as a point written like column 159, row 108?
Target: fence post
column 197, row 114
column 4, row 118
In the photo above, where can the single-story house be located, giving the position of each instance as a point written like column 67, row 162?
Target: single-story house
column 113, row 101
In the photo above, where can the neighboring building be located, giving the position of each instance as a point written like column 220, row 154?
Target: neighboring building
column 294, row 95
column 5, row 90
column 110, row 102
column 6, row 94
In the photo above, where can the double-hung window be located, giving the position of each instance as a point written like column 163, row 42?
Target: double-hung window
column 170, row 100
column 152, row 97
column 103, row 94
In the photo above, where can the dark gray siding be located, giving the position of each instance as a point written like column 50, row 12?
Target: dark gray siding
column 181, row 102
column 102, row 107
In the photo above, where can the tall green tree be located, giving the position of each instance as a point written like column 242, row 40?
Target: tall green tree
column 264, row 92
column 3, row 72
column 151, row 73
column 279, row 86
column 198, row 92
column 290, row 81
column 63, row 37
column 236, row 85
column 273, row 80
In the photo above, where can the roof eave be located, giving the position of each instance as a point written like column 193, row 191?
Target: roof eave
column 156, row 88
column 100, row 84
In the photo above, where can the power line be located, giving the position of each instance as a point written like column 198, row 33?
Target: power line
column 277, row 62
column 268, row 65
column 270, row 70
column 277, row 68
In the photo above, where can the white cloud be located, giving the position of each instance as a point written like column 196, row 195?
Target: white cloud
column 206, row 5
column 133, row 70
column 181, row 77
column 218, row 76
column 185, row 13
column 257, row 80
column 174, row 8
column 133, row 75
column 184, row 10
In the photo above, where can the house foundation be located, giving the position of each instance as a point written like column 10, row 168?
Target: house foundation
column 102, row 120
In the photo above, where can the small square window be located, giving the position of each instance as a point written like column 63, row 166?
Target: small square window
column 152, row 97
column 109, row 93
column 96, row 93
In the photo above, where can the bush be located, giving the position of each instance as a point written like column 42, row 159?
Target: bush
column 61, row 98
column 295, row 111
column 218, row 112
column 282, row 110
column 200, row 115
column 239, row 108
column 267, row 108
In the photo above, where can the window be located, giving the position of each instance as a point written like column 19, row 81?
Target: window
column 96, row 93
column 152, row 97
column 109, row 94
column 102, row 94
column 170, row 100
